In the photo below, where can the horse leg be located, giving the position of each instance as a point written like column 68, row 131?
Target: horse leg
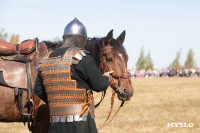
column 42, row 118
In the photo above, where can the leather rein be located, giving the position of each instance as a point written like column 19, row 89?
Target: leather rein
column 126, row 75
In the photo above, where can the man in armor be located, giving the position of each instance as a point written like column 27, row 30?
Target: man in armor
column 65, row 82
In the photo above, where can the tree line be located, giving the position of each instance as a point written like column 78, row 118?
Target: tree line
column 14, row 39
column 146, row 63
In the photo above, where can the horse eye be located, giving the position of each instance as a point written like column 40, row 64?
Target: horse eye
column 109, row 59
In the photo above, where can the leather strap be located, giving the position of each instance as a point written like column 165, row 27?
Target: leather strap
column 17, row 48
column 102, row 97
column 105, row 124
column 111, row 107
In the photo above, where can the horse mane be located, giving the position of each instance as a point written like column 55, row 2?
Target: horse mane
column 52, row 45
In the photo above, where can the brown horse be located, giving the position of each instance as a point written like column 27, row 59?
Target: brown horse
column 110, row 54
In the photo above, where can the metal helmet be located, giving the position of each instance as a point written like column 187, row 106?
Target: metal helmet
column 75, row 27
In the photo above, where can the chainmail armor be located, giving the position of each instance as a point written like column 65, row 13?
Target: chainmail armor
column 67, row 103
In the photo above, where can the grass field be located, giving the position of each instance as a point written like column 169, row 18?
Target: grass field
column 156, row 102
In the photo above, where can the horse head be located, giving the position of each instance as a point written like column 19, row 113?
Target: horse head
column 113, row 57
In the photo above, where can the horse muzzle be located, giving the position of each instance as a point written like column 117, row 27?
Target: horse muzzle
column 123, row 95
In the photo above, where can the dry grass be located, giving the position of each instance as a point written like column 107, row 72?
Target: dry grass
column 156, row 101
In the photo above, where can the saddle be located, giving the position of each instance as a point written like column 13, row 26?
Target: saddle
column 13, row 74
column 20, row 52
column 13, row 64
column 24, row 47
column 17, row 71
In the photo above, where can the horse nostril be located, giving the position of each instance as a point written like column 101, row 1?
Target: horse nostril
column 125, row 90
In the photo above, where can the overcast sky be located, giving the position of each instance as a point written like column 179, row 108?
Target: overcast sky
column 162, row 27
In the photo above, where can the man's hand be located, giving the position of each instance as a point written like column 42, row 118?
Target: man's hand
column 107, row 74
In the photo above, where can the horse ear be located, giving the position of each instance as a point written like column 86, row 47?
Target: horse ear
column 109, row 37
column 121, row 37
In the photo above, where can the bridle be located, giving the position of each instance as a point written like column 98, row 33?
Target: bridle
column 125, row 75
column 104, row 68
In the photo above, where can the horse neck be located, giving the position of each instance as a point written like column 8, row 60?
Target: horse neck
column 93, row 46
